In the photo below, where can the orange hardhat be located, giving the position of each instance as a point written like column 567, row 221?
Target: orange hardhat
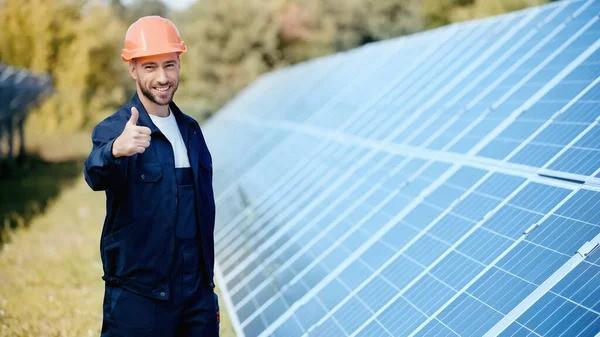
column 151, row 35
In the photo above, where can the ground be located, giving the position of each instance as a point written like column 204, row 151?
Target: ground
column 50, row 270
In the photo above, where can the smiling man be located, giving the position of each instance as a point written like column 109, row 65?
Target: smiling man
column 157, row 245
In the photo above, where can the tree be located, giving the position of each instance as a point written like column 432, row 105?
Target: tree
column 78, row 48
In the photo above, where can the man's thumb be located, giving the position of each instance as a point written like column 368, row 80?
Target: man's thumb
column 134, row 116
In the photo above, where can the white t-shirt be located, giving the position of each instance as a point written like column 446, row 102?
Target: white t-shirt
column 168, row 126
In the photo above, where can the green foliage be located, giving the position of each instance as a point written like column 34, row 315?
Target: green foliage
column 78, row 45
column 231, row 42
column 442, row 12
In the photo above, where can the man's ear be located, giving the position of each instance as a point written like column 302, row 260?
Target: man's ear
column 132, row 70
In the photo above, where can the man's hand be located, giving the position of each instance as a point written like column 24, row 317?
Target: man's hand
column 134, row 139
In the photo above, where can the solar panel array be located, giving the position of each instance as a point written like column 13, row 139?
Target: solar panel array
column 445, row 183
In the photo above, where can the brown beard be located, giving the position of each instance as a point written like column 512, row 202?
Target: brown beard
column 153, row 99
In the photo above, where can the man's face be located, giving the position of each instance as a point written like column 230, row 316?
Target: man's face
column 157, row 76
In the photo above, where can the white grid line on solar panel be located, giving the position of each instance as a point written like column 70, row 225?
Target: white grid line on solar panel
column 542, row 91
column 352, row 65
column 300, row 168
column 332, row 115
column 264, row 95
column 298, row 171
column 361, row 181
column 226, row 299
column 351, row 74
column 429, row 189
column 480, row 70
column 307, row 184
column 534, row 296
column 230, row 248
column 429, row 69
column 260, row 204
column 405, row 79
column 540, row 311
column 262, row 253
column 230, row 171
column 324, row 231
column 426, row 94
column 359, row 195
column 523, row 132
column 477, row 162
column 542, row 128
column 261, row 97
column 408, row 245
column 258, row 229
column 512, row 67
column 381, row 118
column 306, row 168
column 252, row 156
column 579, row 155
column 565, row 331
column 570, row 300
column 357, row 165
column 428, row 50
column 563, row 239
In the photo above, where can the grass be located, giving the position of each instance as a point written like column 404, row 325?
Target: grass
column 50, row 270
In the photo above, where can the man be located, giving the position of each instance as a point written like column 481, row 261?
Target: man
column 157, row 245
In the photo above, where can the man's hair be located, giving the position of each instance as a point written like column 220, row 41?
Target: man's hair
column 134, row 61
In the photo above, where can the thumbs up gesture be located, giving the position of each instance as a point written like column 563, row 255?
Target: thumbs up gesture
column 134, row 139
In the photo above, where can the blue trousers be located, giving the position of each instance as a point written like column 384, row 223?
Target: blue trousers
column 192, row 307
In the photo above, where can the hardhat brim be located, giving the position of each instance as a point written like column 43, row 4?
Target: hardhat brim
column 128, row 55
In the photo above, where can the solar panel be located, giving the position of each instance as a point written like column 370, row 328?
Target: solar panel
column 445, row 183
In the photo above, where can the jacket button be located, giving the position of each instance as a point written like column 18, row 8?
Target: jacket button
column 162, row 294
column 143, row 177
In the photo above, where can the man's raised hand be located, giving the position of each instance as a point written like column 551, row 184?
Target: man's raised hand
column 134, row 139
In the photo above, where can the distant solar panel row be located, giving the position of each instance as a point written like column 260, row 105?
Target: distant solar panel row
column 441, row 184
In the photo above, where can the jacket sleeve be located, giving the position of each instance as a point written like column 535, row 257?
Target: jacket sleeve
column 103, row 171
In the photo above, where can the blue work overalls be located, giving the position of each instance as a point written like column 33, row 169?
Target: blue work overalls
column 192, row 307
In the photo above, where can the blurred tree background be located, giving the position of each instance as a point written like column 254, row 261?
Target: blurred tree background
column 231, row 42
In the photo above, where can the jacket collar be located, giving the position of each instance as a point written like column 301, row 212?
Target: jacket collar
column 144, row 119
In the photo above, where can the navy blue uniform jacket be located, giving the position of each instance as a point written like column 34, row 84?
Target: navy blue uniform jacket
column 138, row 237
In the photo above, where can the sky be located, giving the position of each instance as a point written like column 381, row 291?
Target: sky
column 172, row 4
column 178, row 4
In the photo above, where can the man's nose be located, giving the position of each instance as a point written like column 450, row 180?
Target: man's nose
column 162, row 76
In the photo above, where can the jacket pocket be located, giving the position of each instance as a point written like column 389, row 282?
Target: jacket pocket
column 146, row 191
column 148, row 173
column 131, row 310
column 129, row 255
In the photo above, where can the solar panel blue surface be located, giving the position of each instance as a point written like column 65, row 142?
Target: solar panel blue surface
column 440, row 184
